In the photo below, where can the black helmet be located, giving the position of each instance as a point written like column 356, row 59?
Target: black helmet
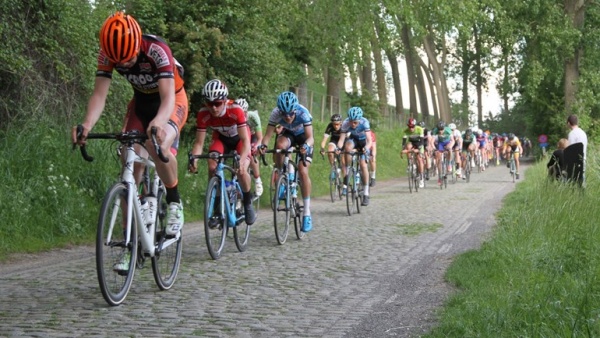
column 336, row 118
column 422, row 124
column 441, row 125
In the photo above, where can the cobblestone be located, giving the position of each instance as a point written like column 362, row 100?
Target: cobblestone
column 377, row 273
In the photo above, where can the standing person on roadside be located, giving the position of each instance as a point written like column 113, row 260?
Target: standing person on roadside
column 373, row 158
column 356, row 136
column 159, row 99
column 297, row 130
column 556, row 164
column 577, row 135
column 230, row 132
column 253, row 121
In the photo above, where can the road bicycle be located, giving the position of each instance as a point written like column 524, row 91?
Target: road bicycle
column 127, row 233
column 512, row 166
column 335, row 178
column 355, row 188
column 466, row 159
column 284, row 193
column 443, row 174
column 223, row 207
column 413, row 172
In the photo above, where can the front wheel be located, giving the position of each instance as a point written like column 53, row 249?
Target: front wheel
column 215, row 227
column 167, row 257
column 333, row 185
column 281, row 214
column 349, row 191
column 241, row 232
column 115, row 258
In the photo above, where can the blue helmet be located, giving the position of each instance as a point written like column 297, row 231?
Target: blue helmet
column 355, row 113
column 287, row 102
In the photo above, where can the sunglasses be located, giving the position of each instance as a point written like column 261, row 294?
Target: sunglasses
column 215, row 103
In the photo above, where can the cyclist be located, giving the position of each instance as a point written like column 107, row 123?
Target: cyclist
column 469, row 144
column 481, row 139
column 230, row 132
column 414, row 135
column 373, row 158
column 333, row 130
column 428, row 149
column 514, row 145
column 159, row 100
column 498, row 142
column 296, row 122
column 457, row 146
column 356, row 136
column 253, row 121
column 442, row 140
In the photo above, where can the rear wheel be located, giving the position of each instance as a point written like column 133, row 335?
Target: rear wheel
column 281, row 215
column 167, row 257
column 215, row 228
column 114, row 275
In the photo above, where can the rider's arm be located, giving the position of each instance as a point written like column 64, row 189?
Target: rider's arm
column 95, row 104
column 369, row 143
column 341, row 141
column 324, row 142
column 244, row 133
column 166, row 89
column 268, row 134
column 308, row 132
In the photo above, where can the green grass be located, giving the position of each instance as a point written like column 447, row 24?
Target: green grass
column 539, row 274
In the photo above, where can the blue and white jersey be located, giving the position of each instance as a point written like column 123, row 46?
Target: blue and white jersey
column 302, row 119
column 358, row 133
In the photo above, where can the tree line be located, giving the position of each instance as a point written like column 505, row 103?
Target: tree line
column 544, row 53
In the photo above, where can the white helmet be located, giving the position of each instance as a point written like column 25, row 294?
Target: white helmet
column 242, row 103
column 215, row 90
column 452, row 126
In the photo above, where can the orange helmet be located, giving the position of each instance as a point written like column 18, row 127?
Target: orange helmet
column 120, row 37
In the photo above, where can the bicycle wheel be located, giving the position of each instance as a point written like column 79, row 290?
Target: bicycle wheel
column 357, row 191
column 333, row 189
column 512, row 169
column 167, row 257
column 272, row 187
column 410, row 178
column 111, row 249
column 468, row 169
column 241, row 231
column 415, row 177
column 298, row 219
column 281, row 215
column 215, row 228
column 349, row 191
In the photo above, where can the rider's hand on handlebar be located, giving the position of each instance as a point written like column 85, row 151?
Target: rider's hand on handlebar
column 79, row 134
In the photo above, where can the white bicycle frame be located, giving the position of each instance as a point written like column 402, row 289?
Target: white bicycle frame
column 146, row 233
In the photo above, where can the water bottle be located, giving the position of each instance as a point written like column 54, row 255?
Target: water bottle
column 230, row 187
column 294, row 191
column 145, row 209
column 151, row 211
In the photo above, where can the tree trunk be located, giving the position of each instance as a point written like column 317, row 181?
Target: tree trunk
column 410, row 69
column 367, row 70
column 575, row 10
column 478, row 77
column 434, row 103
column 437, row 72
column 380, row 76
column 334, row 82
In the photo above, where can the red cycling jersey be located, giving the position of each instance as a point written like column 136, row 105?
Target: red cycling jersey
column 225, row 135
column 154, row 62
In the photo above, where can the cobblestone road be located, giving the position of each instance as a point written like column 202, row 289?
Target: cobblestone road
column 375, row 274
